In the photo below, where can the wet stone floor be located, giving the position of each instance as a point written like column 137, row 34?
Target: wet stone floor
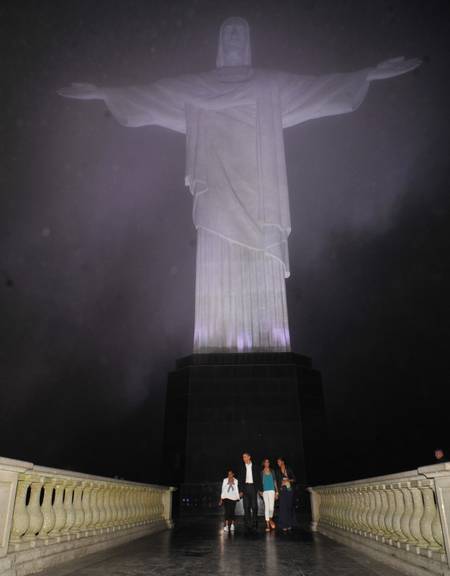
column 199, row 547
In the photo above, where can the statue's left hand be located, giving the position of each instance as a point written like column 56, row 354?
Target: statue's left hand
column 393, row 67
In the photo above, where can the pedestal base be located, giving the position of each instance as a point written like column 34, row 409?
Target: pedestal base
column 220, row 405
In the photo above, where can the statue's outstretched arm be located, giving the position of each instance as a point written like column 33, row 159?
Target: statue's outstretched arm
column 153, row 104
column 307, row 97
column 393, row 67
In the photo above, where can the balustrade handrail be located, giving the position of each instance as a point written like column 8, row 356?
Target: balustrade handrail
column 404, row 515
column 409, row 475
column 29, row 467
column 62, row 510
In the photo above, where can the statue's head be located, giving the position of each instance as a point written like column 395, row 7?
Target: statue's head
column 234, row 43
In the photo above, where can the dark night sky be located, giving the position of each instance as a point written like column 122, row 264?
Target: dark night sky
column 97, row 246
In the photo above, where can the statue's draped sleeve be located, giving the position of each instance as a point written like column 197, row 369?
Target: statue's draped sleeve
column 162, row 103
column 307, row 97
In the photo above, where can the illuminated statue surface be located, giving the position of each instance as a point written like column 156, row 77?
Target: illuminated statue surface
column 233, row 118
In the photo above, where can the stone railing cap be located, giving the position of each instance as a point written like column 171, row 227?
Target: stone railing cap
column 408, row 475
column 442, row 469
column 12, row 465
column 70, row 474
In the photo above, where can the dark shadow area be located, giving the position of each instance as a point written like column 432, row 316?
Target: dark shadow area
column 383, row 330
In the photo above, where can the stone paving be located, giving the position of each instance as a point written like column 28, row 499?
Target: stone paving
column 199, row 547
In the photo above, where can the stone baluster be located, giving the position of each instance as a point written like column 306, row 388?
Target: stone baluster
column 93, row 506
column 157, row 509
column 135, row 505
column 114, row 506
column 324, row 507
column 365, row 510
column 161, row 497
column 405, row 521
column 390, row 512
column 144, row 504
column 58, row 508
column 118, row 506
column 147, row 505
column 148, row 500
column 338, row 512
column 101, row 506
column 47, row 508
column 349, row 503
column 135, row 495
column 377, row 512
column 150, row 505
column 372, row 511
column 358, row 515
column 416, row 517
column 157, row 504
column 429, row 515
column 328, row 508
column 343, row 508
column 399, row 511
column 21, row 518
column 107, row 505
column 34, row 510
column 340, row 496
column 384, row 509
column 86, row 504
column 129, row 505
column 78, row 508
column 140, row 505
column 331, row 506
column 122, row 507
column 68, row 506
column 137, row 514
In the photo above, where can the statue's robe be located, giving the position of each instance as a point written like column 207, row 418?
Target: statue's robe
column 233, row 119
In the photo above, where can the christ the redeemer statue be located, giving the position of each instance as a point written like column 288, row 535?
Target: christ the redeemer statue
column 233, row 118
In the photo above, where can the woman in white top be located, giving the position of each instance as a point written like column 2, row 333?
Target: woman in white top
column 229, row 497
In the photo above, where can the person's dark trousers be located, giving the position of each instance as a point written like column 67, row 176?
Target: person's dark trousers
column 250, row 506
column 229, row 507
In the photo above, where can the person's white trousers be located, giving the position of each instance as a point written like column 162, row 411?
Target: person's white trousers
column 269, row 503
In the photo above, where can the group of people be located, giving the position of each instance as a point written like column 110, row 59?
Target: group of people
column 270, row 484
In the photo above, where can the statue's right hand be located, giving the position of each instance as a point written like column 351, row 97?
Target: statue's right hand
column 82, row 91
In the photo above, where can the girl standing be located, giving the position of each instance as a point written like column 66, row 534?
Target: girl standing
column 229, row 497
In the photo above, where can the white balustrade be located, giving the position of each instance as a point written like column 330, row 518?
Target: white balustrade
column 52, row 510
column 404, row 518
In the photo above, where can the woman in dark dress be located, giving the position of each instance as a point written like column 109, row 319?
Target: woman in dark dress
column 286, row 481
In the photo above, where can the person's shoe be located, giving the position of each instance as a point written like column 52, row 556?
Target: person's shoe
column 225, row 529
column 232, row 528
column 272, row 524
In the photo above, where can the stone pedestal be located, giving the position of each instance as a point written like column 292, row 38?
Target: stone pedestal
column 219, row 405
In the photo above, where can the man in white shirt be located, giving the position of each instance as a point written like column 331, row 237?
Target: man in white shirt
column 250, row 482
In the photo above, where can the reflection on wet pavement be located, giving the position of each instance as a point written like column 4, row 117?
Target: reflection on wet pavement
column 199, row 547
